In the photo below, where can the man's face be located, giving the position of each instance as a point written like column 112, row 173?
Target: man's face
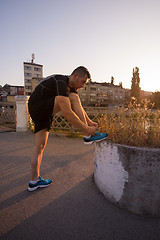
column 80, row 81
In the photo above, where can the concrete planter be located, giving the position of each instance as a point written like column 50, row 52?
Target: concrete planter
column 129, row 176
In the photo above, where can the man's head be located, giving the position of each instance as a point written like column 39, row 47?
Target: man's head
column 79, row 77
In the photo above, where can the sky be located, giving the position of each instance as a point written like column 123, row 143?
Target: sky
column 109, row 37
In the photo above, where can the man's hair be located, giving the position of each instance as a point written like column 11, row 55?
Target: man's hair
column 81, row 71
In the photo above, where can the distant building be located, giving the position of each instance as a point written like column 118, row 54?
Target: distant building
column 35, row 82
column 101, row 94
column 33, row 73
column 127, row 95
column 145, row 94
column 13, row 90
column 8, row 92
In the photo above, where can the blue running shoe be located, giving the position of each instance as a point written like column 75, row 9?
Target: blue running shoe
column 41, row 183
column 96, row 138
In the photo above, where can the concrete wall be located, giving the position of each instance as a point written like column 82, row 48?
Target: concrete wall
column 129, row 176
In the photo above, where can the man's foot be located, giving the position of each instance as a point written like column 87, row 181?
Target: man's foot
column 96, row 138
column 40, row 184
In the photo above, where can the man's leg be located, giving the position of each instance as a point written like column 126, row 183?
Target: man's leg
column 41, row 138
column 77, row 106
column 78, row 109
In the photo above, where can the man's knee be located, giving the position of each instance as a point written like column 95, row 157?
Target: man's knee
column 41, row 140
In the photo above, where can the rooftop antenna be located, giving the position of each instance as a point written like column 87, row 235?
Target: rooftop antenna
column 33, row 57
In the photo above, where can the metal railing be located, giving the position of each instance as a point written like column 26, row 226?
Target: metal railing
column 8, row 115
column 60, row 123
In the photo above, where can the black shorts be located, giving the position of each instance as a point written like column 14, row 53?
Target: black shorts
column 41, row 113
column 43, row 125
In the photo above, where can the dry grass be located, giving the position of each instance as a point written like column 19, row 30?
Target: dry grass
column 135, row 125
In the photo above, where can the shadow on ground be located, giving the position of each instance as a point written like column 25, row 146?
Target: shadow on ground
column 83, row 214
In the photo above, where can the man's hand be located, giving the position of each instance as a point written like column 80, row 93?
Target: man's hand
column 91, row 123
column 91, row 131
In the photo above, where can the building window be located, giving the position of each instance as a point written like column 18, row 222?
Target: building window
column 37, row 69
column 28, row 81
column 28, row 74
column 27, row 68
column 28, row 93
column 93, row 89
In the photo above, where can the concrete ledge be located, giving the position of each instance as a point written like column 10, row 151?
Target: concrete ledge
column 129, row 176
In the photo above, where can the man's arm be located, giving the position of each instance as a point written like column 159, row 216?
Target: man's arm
column 89, row 121
column 73, row 119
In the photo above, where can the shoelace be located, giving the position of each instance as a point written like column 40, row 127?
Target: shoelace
column 97, row 134
column 41, row 179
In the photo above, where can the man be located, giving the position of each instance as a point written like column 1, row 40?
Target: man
column 53, row 94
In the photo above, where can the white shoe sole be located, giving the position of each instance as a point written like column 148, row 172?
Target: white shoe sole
column 40, row 186
column 89, row 143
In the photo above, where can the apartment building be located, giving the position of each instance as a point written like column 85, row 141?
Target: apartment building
column 33, row 73
column 101, row 94
column 145, row 94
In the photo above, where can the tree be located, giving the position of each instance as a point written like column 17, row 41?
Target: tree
column 112, row 80
column 155, row 98
column 135, row 86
